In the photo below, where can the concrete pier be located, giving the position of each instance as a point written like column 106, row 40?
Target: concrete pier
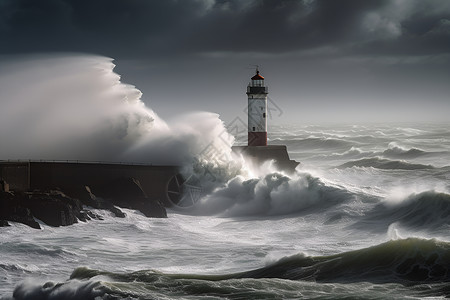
column 260, row 154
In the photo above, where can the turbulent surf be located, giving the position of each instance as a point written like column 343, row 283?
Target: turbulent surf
column 365, row 216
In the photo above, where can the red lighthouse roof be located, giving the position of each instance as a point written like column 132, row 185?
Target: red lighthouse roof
column 257, row 76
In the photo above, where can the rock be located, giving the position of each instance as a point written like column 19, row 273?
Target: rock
column 12, row 209
column 23, row 215
column 85, row 195
column 4, row 186
column 54, row 208
column 150, row 208
column 117, row 212
column 93, row 215
column 4, row 223
column 128, row 193
column 84, row 217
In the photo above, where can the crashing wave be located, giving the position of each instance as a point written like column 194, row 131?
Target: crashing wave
column 314, row 143
column 396, row 151
column 75, row 107
column 411, row 261
column 386, row 164
column 426, row 210
column 405, row 261
column 271, row 194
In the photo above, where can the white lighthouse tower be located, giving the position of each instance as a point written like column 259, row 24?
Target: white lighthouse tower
column 257, row 150
column 257, row 111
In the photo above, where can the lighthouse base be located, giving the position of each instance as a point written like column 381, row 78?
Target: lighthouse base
column 260, row 154
column 257, row 138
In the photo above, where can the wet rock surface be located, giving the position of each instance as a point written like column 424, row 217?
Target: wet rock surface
column 57, row 208
column 128, row 193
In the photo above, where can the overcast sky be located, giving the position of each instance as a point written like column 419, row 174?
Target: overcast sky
column 323, row 60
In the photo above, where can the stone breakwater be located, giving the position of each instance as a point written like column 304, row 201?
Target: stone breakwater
column 58, row 207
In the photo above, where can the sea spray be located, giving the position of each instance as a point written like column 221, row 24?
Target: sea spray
column 334, row 220
column 74, row 107
column 270, row 194
column 70, row 107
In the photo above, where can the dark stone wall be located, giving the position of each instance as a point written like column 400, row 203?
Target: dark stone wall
column 15, row 174
column 153, row 179
column 50, row 175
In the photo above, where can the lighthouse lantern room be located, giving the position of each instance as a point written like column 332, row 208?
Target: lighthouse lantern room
column 257, row 111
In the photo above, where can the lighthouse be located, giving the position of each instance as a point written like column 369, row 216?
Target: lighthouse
column 257, row 111
column 257, row 150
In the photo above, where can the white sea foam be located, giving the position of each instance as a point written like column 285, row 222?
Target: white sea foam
column 270, row 194
column 254, row 214
column 74, row 289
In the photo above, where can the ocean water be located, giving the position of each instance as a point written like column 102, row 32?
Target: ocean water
column 365, row 216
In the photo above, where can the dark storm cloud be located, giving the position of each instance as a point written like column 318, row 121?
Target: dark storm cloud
column 280, row 25
column 106, row 26
column 135, row 28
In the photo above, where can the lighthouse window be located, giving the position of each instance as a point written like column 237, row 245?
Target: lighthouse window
column 257, row 83
column 253, row 128
column 264, row 115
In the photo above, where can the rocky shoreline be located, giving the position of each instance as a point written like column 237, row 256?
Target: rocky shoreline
column 63, row 207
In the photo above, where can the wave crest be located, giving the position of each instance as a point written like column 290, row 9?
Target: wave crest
column 271, row 194
column 314, row 143
column 426, row 210
column 405, row 261
column 385, row 164
column 396, row 151
column 409, row 261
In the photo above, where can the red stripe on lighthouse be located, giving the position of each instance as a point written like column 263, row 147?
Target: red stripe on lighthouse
column 257, row 138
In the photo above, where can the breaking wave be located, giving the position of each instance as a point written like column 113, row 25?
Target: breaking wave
column 396, row 151
column 271, row 194
column 314, row 143
column 70, row 290
column 386, row 164
column 409, row 261
column 353, row 152
column 10, row 267
column 426, row 210
column 393, row 151
column 406, row 261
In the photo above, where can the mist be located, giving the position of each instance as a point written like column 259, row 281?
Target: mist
column 75, row 107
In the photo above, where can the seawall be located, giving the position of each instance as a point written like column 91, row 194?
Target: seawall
column 157, row 181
